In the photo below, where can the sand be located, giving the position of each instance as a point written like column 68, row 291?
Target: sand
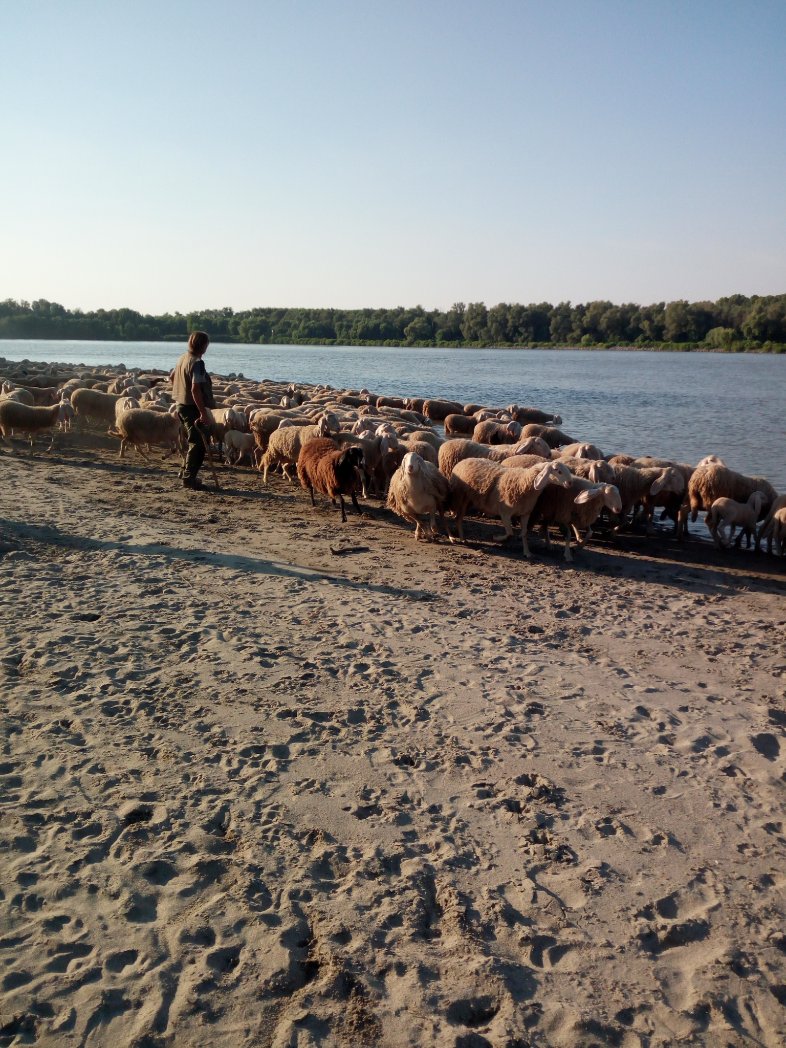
column 268, row 779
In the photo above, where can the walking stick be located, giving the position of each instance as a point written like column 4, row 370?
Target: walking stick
column 209, row 456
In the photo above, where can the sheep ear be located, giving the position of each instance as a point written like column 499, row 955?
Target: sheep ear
column 542, row 478
column 586, row 496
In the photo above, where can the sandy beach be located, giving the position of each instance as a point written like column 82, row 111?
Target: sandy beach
column 271, row 780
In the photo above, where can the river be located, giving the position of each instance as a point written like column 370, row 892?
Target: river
column 675, row 405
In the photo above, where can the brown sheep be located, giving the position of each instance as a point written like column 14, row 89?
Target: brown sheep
column 493, row 432
column 22, row 417
column 334, row 472
column 458, row 425
column 555, row 438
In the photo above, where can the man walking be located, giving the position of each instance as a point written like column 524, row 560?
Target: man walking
column 193, row 393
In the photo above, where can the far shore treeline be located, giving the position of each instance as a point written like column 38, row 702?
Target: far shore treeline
column 734, row 324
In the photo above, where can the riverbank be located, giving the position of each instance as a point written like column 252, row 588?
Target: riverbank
column 271, row 780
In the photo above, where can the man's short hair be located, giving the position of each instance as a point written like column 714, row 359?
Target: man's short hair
column 198, row 341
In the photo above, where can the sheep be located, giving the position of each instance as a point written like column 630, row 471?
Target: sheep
column 526, row 415
column 491, row 432
column 766, row 527
column 774, row 528
column 27, row 419
column 93, row 405
column 141, row 426
column 712, row 481
column 20, row 396
column 65, row 416
column 237, row 446
column 578, row 450
column 639, row 485
column 438, row 410
column 422, row 448
column 417, row 488
column 575, row 509
column 503, row 493
column 553, row 437
column 520, row 461
column 454, row 451
column 284, row 447
column 597, row 470
column 459, row 425
column 332, row 471
column 726, row 513
column 532, row 446
column 428, row 435
column 125, row 403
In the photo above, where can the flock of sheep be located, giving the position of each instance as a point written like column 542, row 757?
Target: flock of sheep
column 513, row 464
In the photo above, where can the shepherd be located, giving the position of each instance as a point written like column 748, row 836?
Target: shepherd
column 193, row 393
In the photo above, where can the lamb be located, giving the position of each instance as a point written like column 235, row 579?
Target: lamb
column 141, row 426
column 575, row 509
column 332, row 471
column 26, row 419
column 710, row 482
column 493, row 432
column 726, row 513
column 417, row 488
column 93, row 405
column 503, row 493
column 284, row 447
column 237, row 446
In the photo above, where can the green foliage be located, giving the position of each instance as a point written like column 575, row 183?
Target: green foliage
column 734, row 324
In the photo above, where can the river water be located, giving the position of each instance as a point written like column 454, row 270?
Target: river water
column 674, row 405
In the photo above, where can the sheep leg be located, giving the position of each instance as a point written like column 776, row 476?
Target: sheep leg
column 343, row 510
column 545, row 533
column 507, row 525
column 567, row 556
column 524, row 547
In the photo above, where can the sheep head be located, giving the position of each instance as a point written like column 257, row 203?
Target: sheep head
column 352, row 456
column 412, row 463
column 670, row 480
column 553, row 473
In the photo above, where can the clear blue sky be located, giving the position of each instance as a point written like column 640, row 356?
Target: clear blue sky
column 180, row 154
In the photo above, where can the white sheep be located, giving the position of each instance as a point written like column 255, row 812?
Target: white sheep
column 503, row 493
column 726, row 513
column 237, row 446
column 417, row 488
column 142, row 427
